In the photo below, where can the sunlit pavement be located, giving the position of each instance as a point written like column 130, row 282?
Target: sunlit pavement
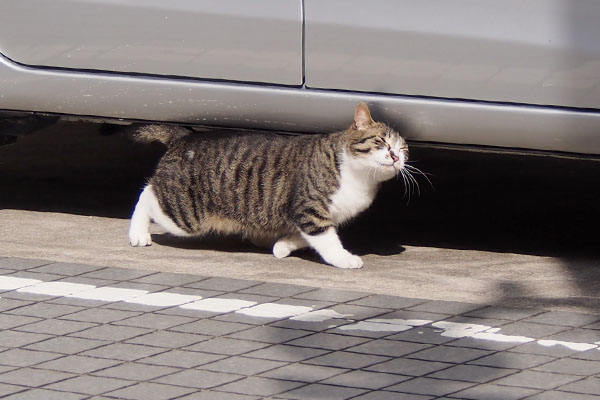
column 76, row 331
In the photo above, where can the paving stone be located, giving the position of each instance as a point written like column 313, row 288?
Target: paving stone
column 508, row 313
column 286, row 353
column 21, row 263
column 100, row 315
column 384, row 395
column 226, row 346
column 32, row 377
column 181, row 359
column 595, row 325
column 67, row 269
column 449, row 354
column 317, row 390
column 213, row 395
column 556, row 395
column 537, row 380
column 155, row 321
column 118, row 274
column 384, row 301
column 366, row 379
column 25, row 358
column 577, row 335
column 563, row 318
column 411, row 314
column 66, row 345
column 124, row 352
column 11, row 304
column 224, row 284
column 391, row 348
column 512, row 360
column 78, row 364
column 328, row 341
column 530, row 329
column 492, row 345
column 446, row 307
column 358, row 313
column 56, row 327
column 137, row 372
column 303, row 373
column 589, row 385
column 259, row 386
column 170, row 279
column 242, row 365
column 109, row 332
column 473, row 373
column 12, row 338
column 409, row 367
column 150, row 391
column 592, row 355
column 12, row 321
column 310, row 325
column 491, row 322
column 420, row 334
column 91, row 385
column 45, row 310
column 338, row 296
column 344, row 359
column 277, row 289
column 571, row 366
column 269, row 334
column 198, row 379
column 38, row 394
column 495, row 392
column 6, row 389
column 212, row 327
column 168, row 339
column 428, row 386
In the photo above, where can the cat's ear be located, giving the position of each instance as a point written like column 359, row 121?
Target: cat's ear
column 362, row 117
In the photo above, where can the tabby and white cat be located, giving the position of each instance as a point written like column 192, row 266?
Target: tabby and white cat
column 285, row 192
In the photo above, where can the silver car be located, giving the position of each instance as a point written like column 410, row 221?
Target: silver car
column 508, row 73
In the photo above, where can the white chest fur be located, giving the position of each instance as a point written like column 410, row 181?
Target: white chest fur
column 355, row 194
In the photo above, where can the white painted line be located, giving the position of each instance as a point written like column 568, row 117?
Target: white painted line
column 108, row 294
column 163, row 299
column 12, row 283
column 272, row 310
column 218, row 305
column 56, row 288
column 571, row 345
column 319, row 316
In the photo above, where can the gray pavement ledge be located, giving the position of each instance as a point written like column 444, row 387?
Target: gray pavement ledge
column 72, row 331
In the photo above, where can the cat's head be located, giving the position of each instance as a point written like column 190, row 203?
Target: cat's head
column 374, row 145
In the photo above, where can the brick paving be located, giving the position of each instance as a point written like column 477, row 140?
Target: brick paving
column 71, row 331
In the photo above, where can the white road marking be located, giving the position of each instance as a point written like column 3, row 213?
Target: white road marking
column 271, row 310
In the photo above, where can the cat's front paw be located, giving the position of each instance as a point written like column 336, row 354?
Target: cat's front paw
column 140, row 239
column 348, row 261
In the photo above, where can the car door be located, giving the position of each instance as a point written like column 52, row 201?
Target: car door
column 233, row 40
column 541, row 52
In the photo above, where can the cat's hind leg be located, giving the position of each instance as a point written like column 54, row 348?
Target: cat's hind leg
column 284, row 246
column 146, row 209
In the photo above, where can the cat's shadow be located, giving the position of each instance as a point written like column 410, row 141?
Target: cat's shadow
column 232, row 244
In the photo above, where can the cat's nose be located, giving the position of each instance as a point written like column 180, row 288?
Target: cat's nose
column 394, row 156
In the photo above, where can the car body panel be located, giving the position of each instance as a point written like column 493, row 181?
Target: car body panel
column 294, row 109
column 544, row 52
column 257, row 41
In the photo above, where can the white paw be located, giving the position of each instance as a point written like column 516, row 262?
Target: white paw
column 140, row 239
column 281, row 249
column 348, row 261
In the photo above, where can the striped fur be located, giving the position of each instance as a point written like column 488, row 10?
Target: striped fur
column 261, row 186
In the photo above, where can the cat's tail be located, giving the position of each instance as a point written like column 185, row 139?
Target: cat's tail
column 160, row 133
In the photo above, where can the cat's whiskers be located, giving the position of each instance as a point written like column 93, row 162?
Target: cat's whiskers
column 418, row 171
